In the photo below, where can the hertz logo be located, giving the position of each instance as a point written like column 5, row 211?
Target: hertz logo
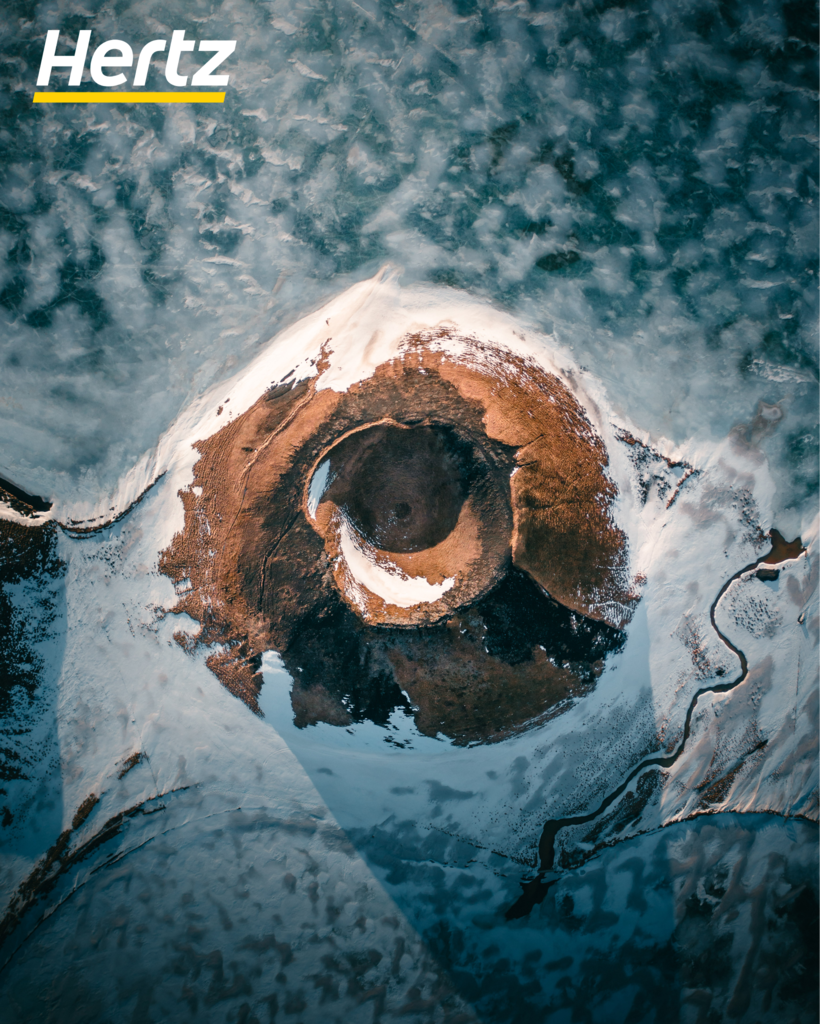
column 115, row 53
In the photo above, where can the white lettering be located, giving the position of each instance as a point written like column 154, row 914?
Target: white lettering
column 224, row 48
column 101, row 60
column 178, row 44
column 144, row 59
column 51, row 60
column 114, row 53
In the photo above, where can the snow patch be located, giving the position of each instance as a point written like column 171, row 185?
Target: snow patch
column 384, row 578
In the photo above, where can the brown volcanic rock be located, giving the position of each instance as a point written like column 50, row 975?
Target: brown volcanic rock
column 564, row 536
column 442, row 467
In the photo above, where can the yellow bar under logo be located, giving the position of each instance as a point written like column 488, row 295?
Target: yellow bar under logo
column 129, row 97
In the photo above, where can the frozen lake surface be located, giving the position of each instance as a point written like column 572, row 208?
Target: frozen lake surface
column 626, row 196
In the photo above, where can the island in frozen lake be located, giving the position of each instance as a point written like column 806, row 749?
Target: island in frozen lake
column 411, row 666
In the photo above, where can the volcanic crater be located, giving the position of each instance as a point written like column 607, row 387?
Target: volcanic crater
column 438, row 537
column 416, row 519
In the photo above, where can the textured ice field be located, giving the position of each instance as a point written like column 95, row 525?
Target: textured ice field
column 641, row 180
column 626, row 194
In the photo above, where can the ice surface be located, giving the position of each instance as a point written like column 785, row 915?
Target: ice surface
column 318, row 485
column 641, row 182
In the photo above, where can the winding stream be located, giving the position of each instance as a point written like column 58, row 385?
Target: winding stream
column 535, row 890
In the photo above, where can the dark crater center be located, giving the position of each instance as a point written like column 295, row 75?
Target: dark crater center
column 401, row 487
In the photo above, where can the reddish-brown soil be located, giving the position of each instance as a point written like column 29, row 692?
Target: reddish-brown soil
column 470, row 468
column 782, row 549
